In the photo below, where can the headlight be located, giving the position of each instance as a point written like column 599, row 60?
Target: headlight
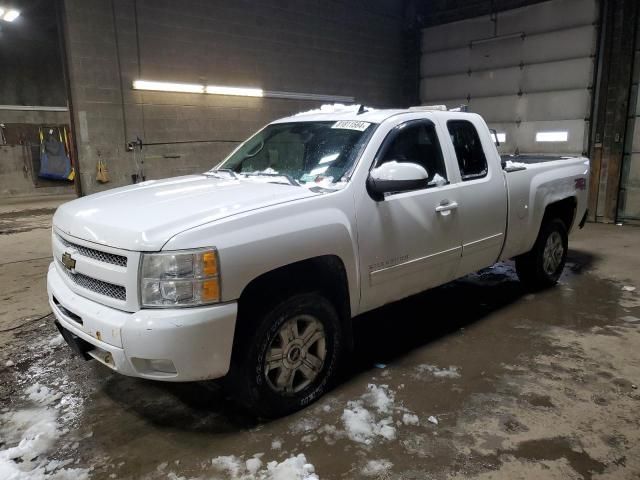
column 183, row 278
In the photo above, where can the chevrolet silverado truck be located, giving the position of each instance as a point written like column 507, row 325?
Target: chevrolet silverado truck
column 253, row 271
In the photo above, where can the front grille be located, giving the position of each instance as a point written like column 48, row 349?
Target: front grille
column 105, row 257
column 98, row 286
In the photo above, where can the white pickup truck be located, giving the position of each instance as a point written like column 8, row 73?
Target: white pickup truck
column 253, row 271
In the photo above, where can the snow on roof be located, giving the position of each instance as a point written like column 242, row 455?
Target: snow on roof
column 339, row 111
column 335, row 108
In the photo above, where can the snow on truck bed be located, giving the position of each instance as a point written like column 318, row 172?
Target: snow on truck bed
column 519, row 162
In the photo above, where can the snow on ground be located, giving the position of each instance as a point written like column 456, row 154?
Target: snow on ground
column 363, row 427
column 276, row 444
column 237, row 468
column 32, row 431
column 30, row 435
column 56, row 340
column 449, row 372
column 371, row 417
column 376, row 468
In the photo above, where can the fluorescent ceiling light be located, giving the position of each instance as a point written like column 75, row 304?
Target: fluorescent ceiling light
column 11, row 15
column 34, row 108
column 235, row 91
column 240, row 91
column 168, row 86
column 561, row 136
column 1, row 11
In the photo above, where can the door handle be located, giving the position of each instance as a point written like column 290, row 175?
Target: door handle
column 446, row 207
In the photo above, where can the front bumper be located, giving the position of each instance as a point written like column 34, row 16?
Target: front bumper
column 177, row 345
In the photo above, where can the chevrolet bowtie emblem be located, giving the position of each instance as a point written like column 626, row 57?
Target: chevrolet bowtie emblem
column 68, row 261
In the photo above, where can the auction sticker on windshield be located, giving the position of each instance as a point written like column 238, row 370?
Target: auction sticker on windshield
column 351, row 125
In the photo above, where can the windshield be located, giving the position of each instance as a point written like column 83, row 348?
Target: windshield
column 301, row 153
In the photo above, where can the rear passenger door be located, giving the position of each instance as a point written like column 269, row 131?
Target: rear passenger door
column 483, row 196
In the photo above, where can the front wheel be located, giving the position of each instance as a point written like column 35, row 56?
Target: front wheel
column 290, row 358
column 542, row 266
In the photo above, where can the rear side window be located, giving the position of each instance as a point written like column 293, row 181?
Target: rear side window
column 466, row 142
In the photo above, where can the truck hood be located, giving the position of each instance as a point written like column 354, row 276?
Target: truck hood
column 145, row 216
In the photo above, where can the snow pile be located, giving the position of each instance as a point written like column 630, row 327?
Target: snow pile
column 410, row 419
column 379, row 397
column 34, row 432
column 377, row 468
column 293, row 468
column 363, row 425
column 450, row 372
column 510, row 164
column 438, row 180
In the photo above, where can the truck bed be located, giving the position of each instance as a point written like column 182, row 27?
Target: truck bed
column 541, row 180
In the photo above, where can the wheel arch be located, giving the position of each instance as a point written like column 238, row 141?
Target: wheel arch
column 325, row 273
column 564, row 209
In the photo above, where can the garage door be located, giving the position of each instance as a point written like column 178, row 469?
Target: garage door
column 528, row 71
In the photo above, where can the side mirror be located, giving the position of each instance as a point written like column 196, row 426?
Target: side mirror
column 392, row 177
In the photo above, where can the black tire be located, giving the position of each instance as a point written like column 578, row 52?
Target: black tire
column 531, row 267
column 247, row 380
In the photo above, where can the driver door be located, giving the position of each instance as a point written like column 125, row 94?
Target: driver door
column 409, row 241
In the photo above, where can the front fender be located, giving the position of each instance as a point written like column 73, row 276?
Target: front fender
column 259, row 242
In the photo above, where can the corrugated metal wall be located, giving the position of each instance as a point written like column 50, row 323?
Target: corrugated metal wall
column 526, row 70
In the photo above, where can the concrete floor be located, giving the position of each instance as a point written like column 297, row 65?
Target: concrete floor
column 522, row 386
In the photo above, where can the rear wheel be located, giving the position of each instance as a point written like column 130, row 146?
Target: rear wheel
column 290, row 356
column 542, row 266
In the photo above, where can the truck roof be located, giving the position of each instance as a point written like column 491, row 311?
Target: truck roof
column 350, row 112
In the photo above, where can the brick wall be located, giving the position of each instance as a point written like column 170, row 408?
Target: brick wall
column 333, row 47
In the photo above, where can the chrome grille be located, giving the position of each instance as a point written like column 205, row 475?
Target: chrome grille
column 98, row 255
column 98, row 286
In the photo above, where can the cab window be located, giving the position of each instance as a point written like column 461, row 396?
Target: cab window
column 417, row 142
column 469, row 151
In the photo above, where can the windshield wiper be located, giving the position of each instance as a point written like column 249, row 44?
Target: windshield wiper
column 289, row 178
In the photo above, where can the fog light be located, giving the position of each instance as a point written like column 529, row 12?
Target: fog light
column 162, row 365
column 154, row 366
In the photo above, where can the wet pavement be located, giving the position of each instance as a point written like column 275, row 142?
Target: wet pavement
column 475, row 379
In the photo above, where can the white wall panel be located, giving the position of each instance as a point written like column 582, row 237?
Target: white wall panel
column 537, row 72
column 546, row 16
